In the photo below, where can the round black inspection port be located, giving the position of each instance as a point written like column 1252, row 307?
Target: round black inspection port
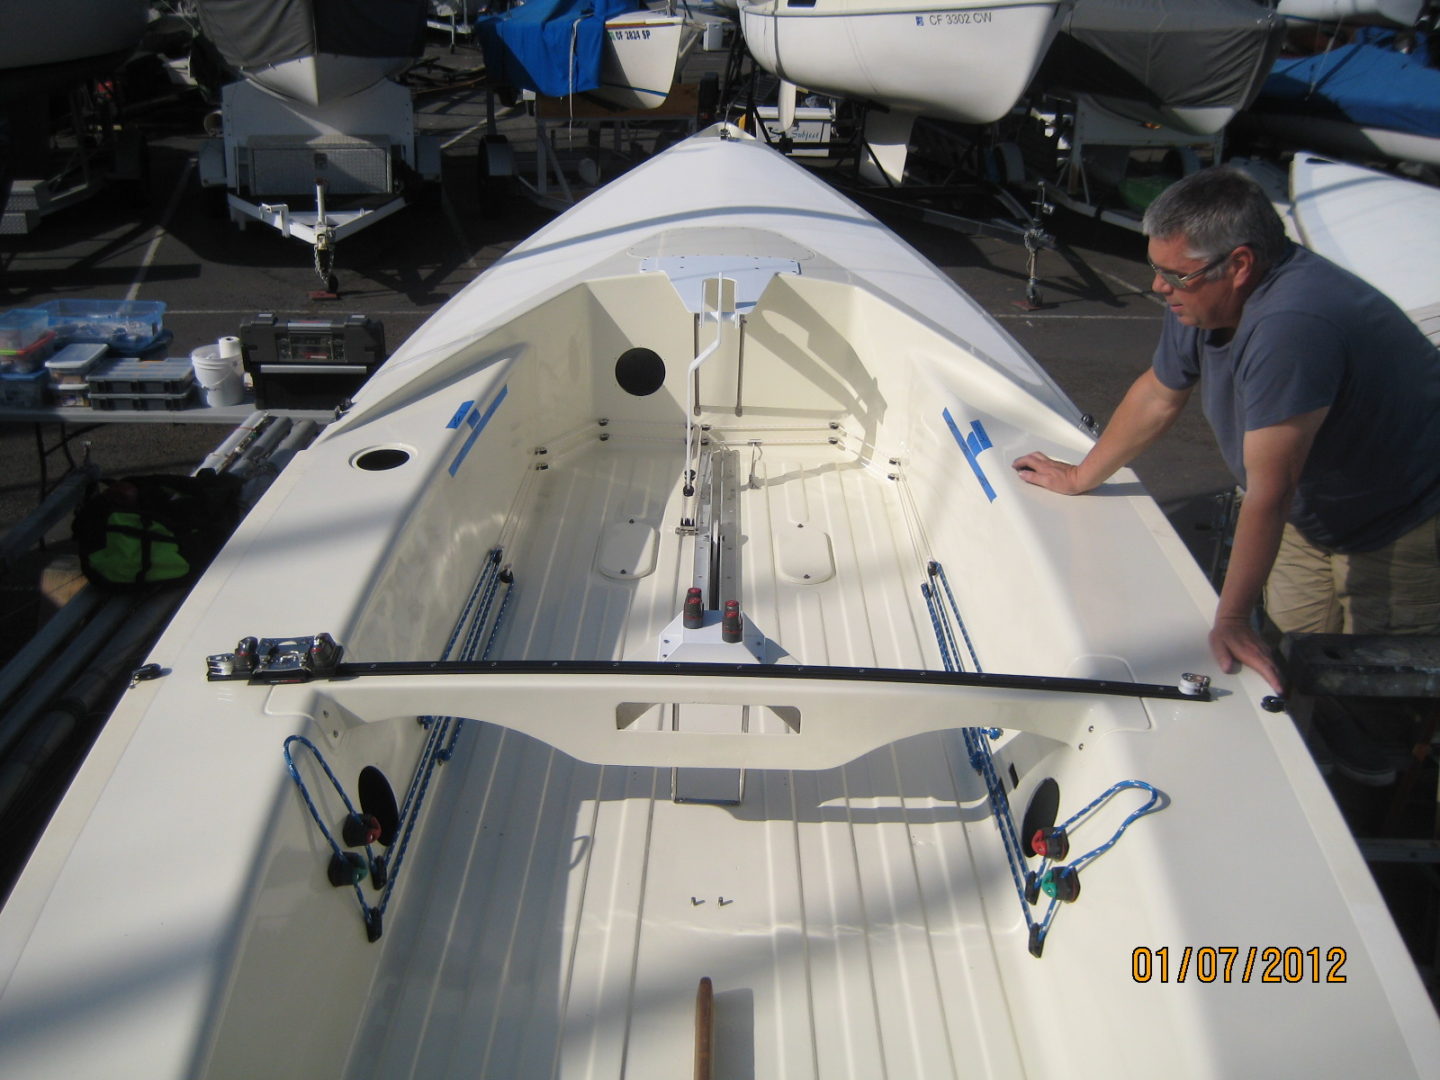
column 640, row 372
column 377, row 797
column 382, row 458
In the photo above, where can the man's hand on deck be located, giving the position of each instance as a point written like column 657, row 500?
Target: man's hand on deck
column 1044, row 471
column 1234, row 642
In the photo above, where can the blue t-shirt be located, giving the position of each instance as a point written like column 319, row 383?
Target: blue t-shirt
column 1314, row 335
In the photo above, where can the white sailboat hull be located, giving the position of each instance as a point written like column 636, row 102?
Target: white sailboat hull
column 325, row 78
column 963, row 61
column 516, row 468
column 1353, row 12
column 1383, row 227
column 637, row 65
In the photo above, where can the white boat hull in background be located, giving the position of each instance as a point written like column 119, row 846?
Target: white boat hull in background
column 1354, row 12
column 1383, row 227
column 325, row 77
column 637, row 66
column 967, row 62
column 1344, row 138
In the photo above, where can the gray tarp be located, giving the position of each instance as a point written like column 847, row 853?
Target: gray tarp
column 255, row 33
column 1170, row 52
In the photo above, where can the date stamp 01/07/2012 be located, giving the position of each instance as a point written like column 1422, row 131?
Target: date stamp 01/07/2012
column 1237, row 964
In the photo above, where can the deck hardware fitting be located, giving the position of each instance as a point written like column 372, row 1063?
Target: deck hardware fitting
column 694, row 610
column 1193, row 684
column 145, row 673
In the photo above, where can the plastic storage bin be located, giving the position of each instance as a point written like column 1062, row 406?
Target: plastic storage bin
column 31, row 358
column 30, row 390
column 140, row 402
column 20, row 327
column 69, row 373
column 128, row 327
column 132, row 377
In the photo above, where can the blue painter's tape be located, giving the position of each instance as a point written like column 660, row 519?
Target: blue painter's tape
column 977, row 440
column 460, row 414
column 971, row 445
column 477, row 422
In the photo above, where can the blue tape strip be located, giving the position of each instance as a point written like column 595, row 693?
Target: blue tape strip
column 477, row 422
column 459, row 415
column 971, row 445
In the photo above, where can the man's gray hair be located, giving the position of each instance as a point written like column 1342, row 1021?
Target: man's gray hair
column 1216, row 210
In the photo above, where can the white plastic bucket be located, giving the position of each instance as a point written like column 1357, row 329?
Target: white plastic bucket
column 221, row 376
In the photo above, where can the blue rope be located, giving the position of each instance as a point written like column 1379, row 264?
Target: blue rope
column 499, row 620
column 482, row 617
column 936, row 625
column 1151, row 805
column 939, row 571
column 977, row 740
column 315, row 813
column 442, row 735
column 977, row 745
column 430, row 758
column 492, row 559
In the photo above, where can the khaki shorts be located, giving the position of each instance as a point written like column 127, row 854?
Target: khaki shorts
column 1395, row 590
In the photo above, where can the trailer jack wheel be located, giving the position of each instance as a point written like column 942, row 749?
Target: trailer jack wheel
column 325, row 271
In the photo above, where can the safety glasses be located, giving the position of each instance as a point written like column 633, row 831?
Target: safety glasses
column 1177, row 280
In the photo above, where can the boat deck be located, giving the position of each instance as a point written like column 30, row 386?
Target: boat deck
column 559, row 900
column 829, row 568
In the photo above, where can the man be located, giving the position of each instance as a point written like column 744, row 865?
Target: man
column 1325, row 400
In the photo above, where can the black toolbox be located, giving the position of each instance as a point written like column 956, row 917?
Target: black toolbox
column 309, row 363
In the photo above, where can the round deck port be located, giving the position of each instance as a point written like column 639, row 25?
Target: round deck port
column 640, row 372
column 381, row 458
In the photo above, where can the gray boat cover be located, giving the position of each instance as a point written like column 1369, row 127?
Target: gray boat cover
column 252, row 34
column 1164, row 52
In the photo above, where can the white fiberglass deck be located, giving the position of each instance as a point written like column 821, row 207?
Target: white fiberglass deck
column 563, row 901
column 854, row 608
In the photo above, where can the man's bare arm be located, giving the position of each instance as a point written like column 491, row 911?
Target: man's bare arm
column 1147, row 411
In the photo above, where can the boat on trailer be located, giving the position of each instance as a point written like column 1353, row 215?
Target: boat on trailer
column 967, row 61
column 317, row 139
column 661, row 663
column 1135, row 94
column 623, row 53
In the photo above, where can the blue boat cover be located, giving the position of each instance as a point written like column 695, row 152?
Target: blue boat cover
column 1367, row 82
column 552, row 47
